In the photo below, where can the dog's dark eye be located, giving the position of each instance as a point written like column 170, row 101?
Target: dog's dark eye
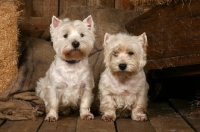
column 82, row 35
column 115, row 54
column 130, row 53
column 65, row 36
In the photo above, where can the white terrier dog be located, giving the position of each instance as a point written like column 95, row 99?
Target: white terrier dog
column 123, row 87
column 69, row 81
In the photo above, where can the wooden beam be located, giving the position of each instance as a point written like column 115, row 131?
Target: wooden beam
column 172, row 33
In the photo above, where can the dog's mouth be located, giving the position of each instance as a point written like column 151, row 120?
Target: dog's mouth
column 74, row 54
column 72, row 61
column 123, row 76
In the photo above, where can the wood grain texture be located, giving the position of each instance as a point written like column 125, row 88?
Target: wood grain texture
column 2, row 122
column 184, row 60
column 64, row 4
column 99, row 3
column 184, row 107
column 96, row 125
column 190, row 70
column 164, row 119
column 128, row 125
column 173, row 34
column 62, row 125
column 36, row 16
column 22, row 126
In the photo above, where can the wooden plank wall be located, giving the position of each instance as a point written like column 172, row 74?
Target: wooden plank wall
column 37, row 14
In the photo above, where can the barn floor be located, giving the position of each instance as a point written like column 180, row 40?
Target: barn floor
column 171, row 111
column 173, row 115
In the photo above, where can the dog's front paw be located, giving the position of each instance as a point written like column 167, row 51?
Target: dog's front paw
column 88, row 116
column 139, row 117
column 108, row 118
column 50, row 118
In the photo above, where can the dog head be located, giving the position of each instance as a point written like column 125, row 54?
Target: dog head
column 72, row 40
column 125, row 53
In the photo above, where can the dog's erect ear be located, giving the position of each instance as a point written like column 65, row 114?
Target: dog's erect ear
column 89, row 21
column 106, row 37
column 55, row 22
column 143, row 40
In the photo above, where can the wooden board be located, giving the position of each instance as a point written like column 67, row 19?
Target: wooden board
column 64, row 123
column 2, row 122
column 37, row 16
column 96, row 125
column 184, row 107
column 104, row 3
column 172, row 32
column 22, row 126
column 164, row 119
column 128, row 125
column 64, row 4
column 176, row 71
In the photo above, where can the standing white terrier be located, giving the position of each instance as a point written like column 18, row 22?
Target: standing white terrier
column 69, row 81
column 123, row 87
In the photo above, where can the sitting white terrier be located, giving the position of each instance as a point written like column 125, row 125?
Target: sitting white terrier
column 123, row 87
column 69, row 81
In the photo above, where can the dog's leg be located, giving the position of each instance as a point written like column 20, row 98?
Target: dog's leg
column 107, row 107
column 52, row 103
column 139, row 108
column 86, row 101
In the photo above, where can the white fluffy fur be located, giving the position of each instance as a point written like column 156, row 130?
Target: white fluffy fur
column 69, row 85
column 124, row 91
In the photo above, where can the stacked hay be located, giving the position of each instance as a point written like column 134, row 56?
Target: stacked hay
column 8, row 41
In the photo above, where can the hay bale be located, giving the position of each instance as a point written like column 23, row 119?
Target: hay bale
column 8, row 41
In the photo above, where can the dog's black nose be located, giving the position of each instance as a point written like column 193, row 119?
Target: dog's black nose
column 75, row 44
column 122, row 66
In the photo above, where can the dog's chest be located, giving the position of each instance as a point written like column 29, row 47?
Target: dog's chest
column 123, row 89
column 72, row 78
column 71, row 85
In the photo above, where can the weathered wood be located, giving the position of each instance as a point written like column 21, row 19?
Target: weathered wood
column 105, row 3
column 34, row 26
column 67, row 3
column 37, row 16
column 164, row 119
column 175, row 72
column 2, row 122
column 173, row 34
column 186, row 60
column 62, row 125
column 128, row 125
column 184, row 107
column 21, row 126
column 96, row 125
